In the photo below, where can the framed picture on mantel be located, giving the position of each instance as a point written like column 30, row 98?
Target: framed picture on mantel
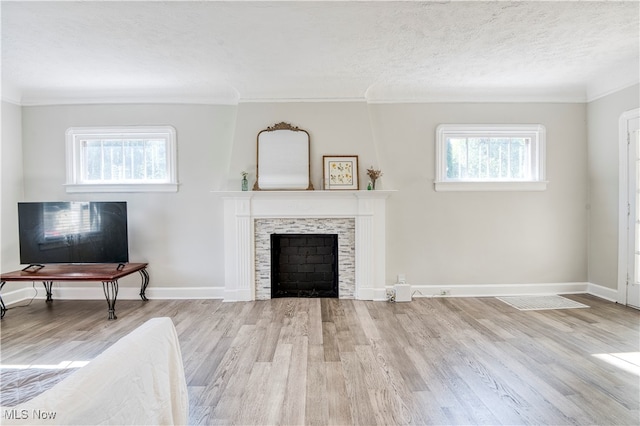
column 340, row 172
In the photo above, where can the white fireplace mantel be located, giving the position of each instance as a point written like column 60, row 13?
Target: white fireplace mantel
column 241, row 209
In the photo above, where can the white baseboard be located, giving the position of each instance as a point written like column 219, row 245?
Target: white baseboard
column 603, row 292
column 124, row 293
column 369, row 293
column 237, row 295
column 493, row 290
column 63, row 292
column 184, row 293
column 21, row 294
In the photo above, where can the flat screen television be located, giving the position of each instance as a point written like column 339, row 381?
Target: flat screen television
column 73, row 232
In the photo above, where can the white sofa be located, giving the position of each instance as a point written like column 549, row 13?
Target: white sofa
column 137, row 381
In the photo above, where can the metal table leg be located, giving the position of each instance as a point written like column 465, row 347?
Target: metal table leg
column 110, row 289
column 48, row 285
column 145, row 283
column 3, row 308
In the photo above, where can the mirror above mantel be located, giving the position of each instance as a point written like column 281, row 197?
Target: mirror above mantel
column 283, row 159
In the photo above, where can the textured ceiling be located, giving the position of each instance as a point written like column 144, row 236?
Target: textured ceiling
column 227, row 52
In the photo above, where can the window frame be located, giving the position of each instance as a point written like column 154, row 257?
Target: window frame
column 537, row 151
column 74, row 159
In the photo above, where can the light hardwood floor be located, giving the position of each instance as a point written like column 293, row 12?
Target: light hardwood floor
column 329, row 361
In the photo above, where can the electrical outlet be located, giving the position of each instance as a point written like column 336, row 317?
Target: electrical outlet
column 445, row 292
column 391, row 296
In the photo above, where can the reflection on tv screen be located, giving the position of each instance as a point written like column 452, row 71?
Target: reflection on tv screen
column 73, row 232
column 65, row 219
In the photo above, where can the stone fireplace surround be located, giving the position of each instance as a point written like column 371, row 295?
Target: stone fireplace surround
column 250, row 215
column 343, row 227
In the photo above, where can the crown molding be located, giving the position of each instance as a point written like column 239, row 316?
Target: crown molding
column 616, row 79
column 619, row 80
column 50, row 101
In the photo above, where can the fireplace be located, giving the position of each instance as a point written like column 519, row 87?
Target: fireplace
column 304, row 265
column 357, row 217
column 343, row 228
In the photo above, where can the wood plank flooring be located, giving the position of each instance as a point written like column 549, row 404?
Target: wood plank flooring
column 342, row 362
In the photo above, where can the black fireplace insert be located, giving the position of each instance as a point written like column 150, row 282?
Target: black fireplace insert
column 304, row 265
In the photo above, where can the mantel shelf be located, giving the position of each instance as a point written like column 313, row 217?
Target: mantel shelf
column 378, row 193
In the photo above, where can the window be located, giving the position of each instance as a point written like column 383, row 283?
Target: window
column 124, row 159
column 490, row 157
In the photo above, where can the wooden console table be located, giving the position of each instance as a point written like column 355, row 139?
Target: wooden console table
column 108, row 273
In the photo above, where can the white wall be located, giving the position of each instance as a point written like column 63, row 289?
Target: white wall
column 603, row 162
column 335, row 128
column 12, row 191
column 440, row 238
column 434, row 238
column 180, row 234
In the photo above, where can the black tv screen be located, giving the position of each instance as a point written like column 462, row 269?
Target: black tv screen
column 73, row 232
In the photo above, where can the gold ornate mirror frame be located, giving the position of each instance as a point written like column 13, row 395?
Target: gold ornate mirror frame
column 283, row 159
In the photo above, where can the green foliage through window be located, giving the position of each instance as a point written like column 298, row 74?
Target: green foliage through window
column 121, row 159
column 125, row 160
column 487, row 158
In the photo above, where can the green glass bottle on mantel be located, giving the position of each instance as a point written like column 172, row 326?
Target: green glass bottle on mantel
column 245, row 182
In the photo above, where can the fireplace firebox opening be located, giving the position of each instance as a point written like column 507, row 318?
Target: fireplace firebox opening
column 304, row 265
